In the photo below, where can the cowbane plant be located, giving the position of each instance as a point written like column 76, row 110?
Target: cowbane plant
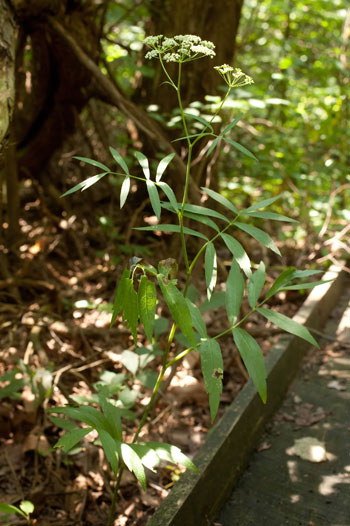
column 142, row 286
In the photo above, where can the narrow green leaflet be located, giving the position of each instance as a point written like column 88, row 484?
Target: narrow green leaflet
column 287, row 324
column 198, row 322
column 178, row 308
column 154, row 198
column 124, row 191
column 263, row 204
column 148, row 456
column 282, row 280
column 62, row 423
column 234, row 292
column 201, row 120
column 133, row 463
column 143, row 161
column 162, row 166
column 259, row 235
column 202, row 219
column 305, row 273
column 253, row 359
column 213, row 145
column 120, row 295
column 130, row 310
column 119, row 159
column 171, row 228
column 200, row 210
column 93, row 163
column 255, row 284
column 84, row 185
column 310, row 285
column 232, row 124
column 210, row 267
column 220, row 199
column 169, row 193
column 71, row 438
column 241, row 148
column 110, row 447
column 238, row 252
column 269, row 215
column 213, row 371
column 147, row 299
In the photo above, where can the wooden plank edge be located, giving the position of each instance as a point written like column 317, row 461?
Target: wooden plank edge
column 196, row 499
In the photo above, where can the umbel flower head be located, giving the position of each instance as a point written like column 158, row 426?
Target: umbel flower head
column 234, row 77
column 180, row 48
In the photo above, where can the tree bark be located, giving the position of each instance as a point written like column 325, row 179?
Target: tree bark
column 7, row 68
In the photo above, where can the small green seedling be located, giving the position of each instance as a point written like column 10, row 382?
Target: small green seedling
column 25, row 509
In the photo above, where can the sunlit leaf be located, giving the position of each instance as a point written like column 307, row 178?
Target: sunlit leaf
column 287, row 324
column 220, row 199
column 124, row 191
column 143, row 161
column 169, row 193
column 163, row 165
column 133, row 463
column 253, row 359
column 85, row 184
column 119, row 159
column 238, row 252
column 213, row 371
column 210, row 268
column 259, row 235
column 72, row 437
column 234, row 292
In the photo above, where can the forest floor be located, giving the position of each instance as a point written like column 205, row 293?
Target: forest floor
column 55, row 335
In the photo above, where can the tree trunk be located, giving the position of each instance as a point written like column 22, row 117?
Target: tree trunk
column 7, row 68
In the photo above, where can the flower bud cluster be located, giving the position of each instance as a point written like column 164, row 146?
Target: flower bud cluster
column 234, row 77
column 180, row 48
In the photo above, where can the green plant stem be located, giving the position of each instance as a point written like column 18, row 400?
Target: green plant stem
column 115, row 497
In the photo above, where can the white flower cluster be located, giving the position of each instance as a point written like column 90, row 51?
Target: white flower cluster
column 234, row 77
column 180, row 48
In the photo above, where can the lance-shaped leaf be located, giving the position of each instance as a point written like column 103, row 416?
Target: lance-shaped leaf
column 200, row 210
column 210, row 267
column 9, row 509
column 143, row 161
column 238, row 252
column 220, row 199
column 241, row 148
column 130, row 310
column 289, row 325
column 213, row 145
column 178, row 308
column 213, row 371
column 255, row 284
column 119, row 159
column 124, row 191
column 232, row 124
column 198, row 322
column 162, row 166
column 154, row 198
column 201, row 120
column 282, row 280
column 133, row 463
column 84, row 185
column 234, row 292
column 110, row 447
column 169, row 193
column 70, row 439
column 93, row 163
column 310, row 285
column 202, row 219
column 147, row 299
column 262, row 204
column 120, row 295
column 269, row 215
column 112, row 413
column 253, row 359
column 171, row 228
column 259, row 235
